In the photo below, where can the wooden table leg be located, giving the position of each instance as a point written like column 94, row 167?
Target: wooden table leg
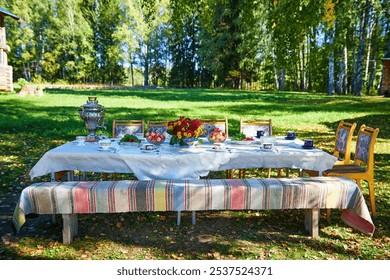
column 70, row 227
column 312, row 217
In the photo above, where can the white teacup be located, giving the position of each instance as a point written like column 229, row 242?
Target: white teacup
column 267, row 146
column 105, row 144
column 219, row 146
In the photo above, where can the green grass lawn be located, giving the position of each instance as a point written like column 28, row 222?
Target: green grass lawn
column 32, row 125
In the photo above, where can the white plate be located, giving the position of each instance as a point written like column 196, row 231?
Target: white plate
column 267, row 150
column 218, row 151
column 103, row 150
column 149, row 151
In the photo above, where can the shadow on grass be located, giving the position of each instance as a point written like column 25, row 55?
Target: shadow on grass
column 265, row 101
column 217, row 235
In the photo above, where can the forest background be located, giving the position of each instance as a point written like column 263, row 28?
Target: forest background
column 328, row 46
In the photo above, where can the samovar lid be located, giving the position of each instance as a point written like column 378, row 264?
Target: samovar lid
column 92, row 103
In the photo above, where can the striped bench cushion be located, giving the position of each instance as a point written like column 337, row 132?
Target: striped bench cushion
column 196, row 195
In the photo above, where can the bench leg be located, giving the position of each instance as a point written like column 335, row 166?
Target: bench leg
column 312, row 221
column 178, row 218
column 70, row 227
column 193, row 218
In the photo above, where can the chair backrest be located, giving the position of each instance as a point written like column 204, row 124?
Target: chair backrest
column 364, row 152
column 210, row 124
column 250, row 127
column 122, row 127
column 343, row 140
column 157, row 126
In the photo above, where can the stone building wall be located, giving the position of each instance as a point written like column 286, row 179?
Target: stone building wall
column 6, row 78
column 6, row 82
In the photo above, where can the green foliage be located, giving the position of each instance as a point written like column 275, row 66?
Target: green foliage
column 200, row 43
column 22, row 82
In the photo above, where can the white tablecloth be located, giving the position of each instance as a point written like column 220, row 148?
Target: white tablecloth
column 179, row 163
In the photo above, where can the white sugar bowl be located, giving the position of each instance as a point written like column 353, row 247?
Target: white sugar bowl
column 105, row 144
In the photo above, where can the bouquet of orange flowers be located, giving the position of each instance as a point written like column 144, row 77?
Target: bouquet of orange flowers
column 184, row 128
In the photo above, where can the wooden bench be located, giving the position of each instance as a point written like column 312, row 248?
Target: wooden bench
column 83, row 197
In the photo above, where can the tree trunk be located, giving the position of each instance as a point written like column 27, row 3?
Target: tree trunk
column 303, row 69
column 372, row 71
column 372, row 65
column 340, row 71
column 27, row 71
column 372, row 27
column 330, row 39
column 345, row 80
column 331, row 73
column 282, row 79
column 339, row 61
column 275, row 72
column 358, row 81
column 132, row 73
column 146, row 66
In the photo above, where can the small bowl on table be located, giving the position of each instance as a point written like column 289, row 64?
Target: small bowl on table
column 155, row 137
column 216, row 139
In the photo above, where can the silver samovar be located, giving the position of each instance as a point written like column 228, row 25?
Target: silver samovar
column 92, row 113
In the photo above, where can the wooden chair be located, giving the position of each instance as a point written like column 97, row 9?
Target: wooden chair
column 342, row 142
column 250, row 128
column 122, row 127
column 157, row 126
column 342, row 145
column 362, row 167
column 210, row 124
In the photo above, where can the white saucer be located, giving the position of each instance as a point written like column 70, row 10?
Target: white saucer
column 218, row 151
column 308, row 147
column 267, row 150
column 149, row 151
column 103, row 150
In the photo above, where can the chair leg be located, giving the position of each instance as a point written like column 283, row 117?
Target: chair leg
column 269, row 173
column 328, row 212
column 372, row 197
column 279, row 174
column 242, row 173
column 228, row 174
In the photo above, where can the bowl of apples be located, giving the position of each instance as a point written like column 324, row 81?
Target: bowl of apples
column 155, row 138
column 217, row 136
